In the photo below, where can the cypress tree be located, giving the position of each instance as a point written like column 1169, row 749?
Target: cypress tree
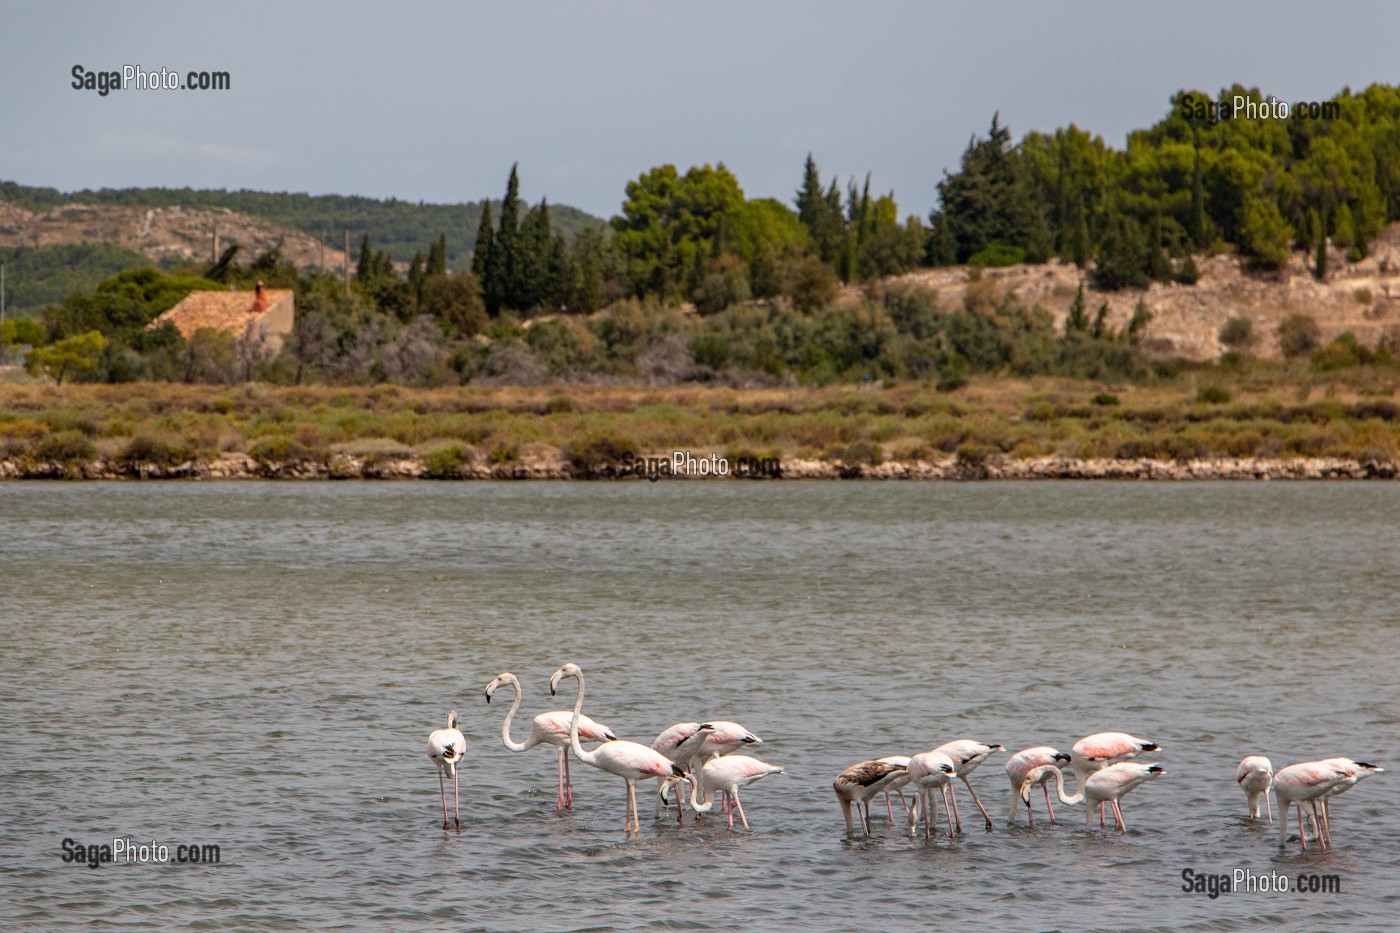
column 365, row 266
column 437, row 257
column 1077, row 321
column 1158, row 268
column 484, row 238
column 1320, row 265
column 416, row 276
column 1199, row 230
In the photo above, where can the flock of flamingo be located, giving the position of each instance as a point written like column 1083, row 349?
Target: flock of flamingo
column 702, row 756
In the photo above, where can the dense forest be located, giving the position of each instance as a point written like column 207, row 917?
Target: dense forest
column 36, row 276
column 695, row 281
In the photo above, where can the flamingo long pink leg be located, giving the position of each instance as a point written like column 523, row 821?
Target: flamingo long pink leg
column 978, row 801
column 559, row 788
column 568, row 782
column 889, row 809
column 456, row 801
column 1269, row 803
column 442, row 789
column 1118, row 817
column 948, row 791
column 1048, row 805
column 738, row 805
column 1101, row 806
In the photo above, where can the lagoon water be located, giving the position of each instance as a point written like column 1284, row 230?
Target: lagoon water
column 257, row 665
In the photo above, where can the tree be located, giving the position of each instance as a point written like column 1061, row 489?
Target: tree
column 455, row 302
column 481, row 252
column 1264, row 234
column 1197, row 227
column 990, row 199
column 500, row 282
column 1077, row 320
column 77, row 354
column 825, row 226
column 1237, row 333
column 364, row 268
column 1320, row 264
column 437, row 256
column 312, row 344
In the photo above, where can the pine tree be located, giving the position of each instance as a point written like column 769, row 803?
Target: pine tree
column 1343, row 228
column 1079, row 245
column 1096, row 330
column 1158, row 268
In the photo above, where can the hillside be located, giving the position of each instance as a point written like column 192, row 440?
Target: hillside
column 1361, row 297
column 401, row 227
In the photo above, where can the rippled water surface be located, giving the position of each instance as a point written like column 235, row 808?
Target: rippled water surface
column 257, row 666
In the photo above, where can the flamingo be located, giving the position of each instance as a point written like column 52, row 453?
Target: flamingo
column 1095, row 752
column 927, row 771
column 896, row 786
column 726, row 737
column 728, row 774
column 1019, row 765
column 861, row 781
column 548, row 729
column 631, row 761
column 1255, row 774
column 678, row 743
column 1358, row 770
column 446, row 748
column 1305, row 781
column 967, row 754
column 1106, row 786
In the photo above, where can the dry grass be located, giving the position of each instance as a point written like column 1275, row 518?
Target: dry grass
column 1270, row 412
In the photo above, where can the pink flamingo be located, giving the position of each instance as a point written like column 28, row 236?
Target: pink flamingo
column 1357, row 771
column 1019, row 765
column 548, row 729
column 1306, row 781
column 728, row 774
column 680, row 744
column 896, row 786
column 1106, row 786
column 1254, row 775
column 858, row 783
column 928, row 771
column 446, row 748
column 630, row 761
column 1098, row 751
column 967, row 754
column 725, row 738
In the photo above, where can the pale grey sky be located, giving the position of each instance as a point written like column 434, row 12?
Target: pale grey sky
column 434, row 101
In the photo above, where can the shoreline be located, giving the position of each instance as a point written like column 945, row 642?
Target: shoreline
column 952, row 468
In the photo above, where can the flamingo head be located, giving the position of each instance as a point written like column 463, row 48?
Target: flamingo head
column 568, row 670
column 945, row 768
column 500, row 681
column 452, row 719
column 1156, row 770
column 1151, row 747
column 1060, row 756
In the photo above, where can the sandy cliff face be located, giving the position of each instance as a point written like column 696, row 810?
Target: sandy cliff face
column 184, row 233
column 1363, row 298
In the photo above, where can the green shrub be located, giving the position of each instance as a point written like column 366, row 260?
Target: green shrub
column 446, row 461
column 1238, row 332
column 65, row 447
column 593, row 454
column 972, row 455
column 154, row 449
column 1298, row 335
column 1213, row 395
column 279, row 448
column 997, row 255
column 503, row 453
column 866, row 453
column 1104, row 398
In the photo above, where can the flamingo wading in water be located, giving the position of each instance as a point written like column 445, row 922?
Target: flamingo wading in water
column 1102, row 749
column 1357, row 771
column 727, row 774
column 1019, row 765
column 1254, row 775
column 446, row 748
column 680, row 744
column 631, row 761
column 1106, row 786
column 861, row 781
column 928, row 771
column 967, row 754
column 548, row 729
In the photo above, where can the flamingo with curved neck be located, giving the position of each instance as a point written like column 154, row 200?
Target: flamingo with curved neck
column 550, row 728
column 727, row 774
column 1106, row 786
column 631, row 761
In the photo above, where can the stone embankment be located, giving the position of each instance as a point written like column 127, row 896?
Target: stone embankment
column 241, row 466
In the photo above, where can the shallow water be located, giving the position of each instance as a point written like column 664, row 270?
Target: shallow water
column 257, row 665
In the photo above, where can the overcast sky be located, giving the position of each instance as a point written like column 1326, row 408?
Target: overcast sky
column 434, row 101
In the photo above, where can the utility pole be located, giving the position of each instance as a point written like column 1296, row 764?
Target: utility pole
column 214, row 260
column 346, row 265
column 2, row 293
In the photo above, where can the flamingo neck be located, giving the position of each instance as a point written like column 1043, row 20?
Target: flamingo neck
column 695, row 804
column 583, row 754
column 1077, row 797
column 505, row 726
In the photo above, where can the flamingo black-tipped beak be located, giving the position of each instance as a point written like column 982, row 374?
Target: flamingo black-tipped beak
column 609, row 736
column 1156, row 769
column 1061, row 756
column 1151, row 747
